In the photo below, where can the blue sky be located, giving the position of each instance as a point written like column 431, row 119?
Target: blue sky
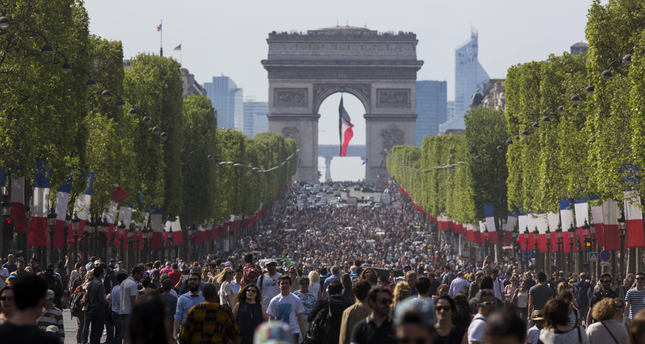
column 229, row 37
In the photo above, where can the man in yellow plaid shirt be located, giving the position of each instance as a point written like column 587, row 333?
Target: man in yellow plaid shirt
column 208, row 322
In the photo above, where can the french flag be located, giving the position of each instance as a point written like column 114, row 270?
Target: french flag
column 109, row 215
column 345, row 131
column 566, row 218
column 532, row 225
column 470, row 232
column 39, row 206
column 125, row 217
column 18, row 212
column 62, row 202
column 156, row 223
column 633, row 220
column 553, row 220
column 177, row 234
column 82, row 205
column 542, row 227
column 610, row 224
column 598, row 224
column 511, row 222
column 489, row 213
column 582, row 219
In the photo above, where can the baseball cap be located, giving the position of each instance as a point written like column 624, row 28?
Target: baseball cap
column 270, row 261
column 274, row 332
column 537, row 315
column 421, row 310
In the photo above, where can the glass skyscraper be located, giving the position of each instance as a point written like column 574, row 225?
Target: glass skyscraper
column 470, row 76
column 431, row 98
column 255, row 118
column 227, row 100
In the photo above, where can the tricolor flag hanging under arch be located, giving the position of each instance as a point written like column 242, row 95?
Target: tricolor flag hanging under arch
column 345, row 131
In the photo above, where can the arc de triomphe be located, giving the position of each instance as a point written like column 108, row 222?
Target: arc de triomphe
column 380, row 69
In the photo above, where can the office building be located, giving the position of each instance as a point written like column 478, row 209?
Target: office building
column 190, row 85
column 431, row 98
column 579, row 48
column 228, row 102
column 255, row 117
column 470, row 77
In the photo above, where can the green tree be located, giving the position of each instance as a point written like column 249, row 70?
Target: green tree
column 153, row 86
column 199, row 151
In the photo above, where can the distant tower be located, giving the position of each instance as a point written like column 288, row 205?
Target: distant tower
column 227, row 101
column 470, row 76
column 431, row 97
column 255, row 117
column 579, row 48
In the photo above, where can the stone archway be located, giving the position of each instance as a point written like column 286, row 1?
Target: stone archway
column 378, row 68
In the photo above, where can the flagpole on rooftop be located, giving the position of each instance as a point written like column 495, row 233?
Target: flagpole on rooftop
column 181, row 53
column 161, row 38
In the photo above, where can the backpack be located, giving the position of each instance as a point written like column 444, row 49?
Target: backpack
column 582, row 294
column 75, row 307
column 318, row 330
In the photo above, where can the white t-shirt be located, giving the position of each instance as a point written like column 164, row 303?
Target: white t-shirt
column 226, row 294
column 128, row 288
column 269, row 287
column 476, row 328
column 286, row 309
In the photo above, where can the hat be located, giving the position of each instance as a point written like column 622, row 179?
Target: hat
column 97, row 262
column 270, row 261
column 423, row 308
column 13, row 275
column 479, row 272
column 537, row 315
column 50, row 295
column 52, row 329
column 274, row 332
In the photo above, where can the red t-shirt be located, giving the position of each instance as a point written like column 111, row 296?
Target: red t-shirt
column 175, row 276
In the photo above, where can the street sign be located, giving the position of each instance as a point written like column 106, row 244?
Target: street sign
column 605, row 256
column 593, row 257
column 604, row 264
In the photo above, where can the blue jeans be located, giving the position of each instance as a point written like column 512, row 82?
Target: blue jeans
column 119, row 321
column 94, row 322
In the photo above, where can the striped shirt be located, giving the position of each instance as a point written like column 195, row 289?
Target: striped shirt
column 53, row 316
column 636, row 299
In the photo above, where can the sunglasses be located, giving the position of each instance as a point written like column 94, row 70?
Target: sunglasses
column 385, row 301
column 487, row 303
column 640, row 278
column 444, row 308
column 619, row 307
column 251, row 291
column 6, row 298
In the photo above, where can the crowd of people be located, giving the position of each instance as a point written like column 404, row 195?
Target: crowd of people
column 322, row 274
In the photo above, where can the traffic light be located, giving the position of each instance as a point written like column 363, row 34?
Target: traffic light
column 587, row 243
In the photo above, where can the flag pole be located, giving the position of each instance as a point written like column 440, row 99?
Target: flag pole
column 161, row 38
column 181, row 53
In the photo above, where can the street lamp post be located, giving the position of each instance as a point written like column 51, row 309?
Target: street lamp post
column 51, row 223
column 75, row 226
column 547, row 260
column 7, row 230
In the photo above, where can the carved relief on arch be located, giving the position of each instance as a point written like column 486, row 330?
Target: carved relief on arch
column 391, row 137
column 393, row 98
column 292, row 133
column 290, row 97
column 361, row 91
